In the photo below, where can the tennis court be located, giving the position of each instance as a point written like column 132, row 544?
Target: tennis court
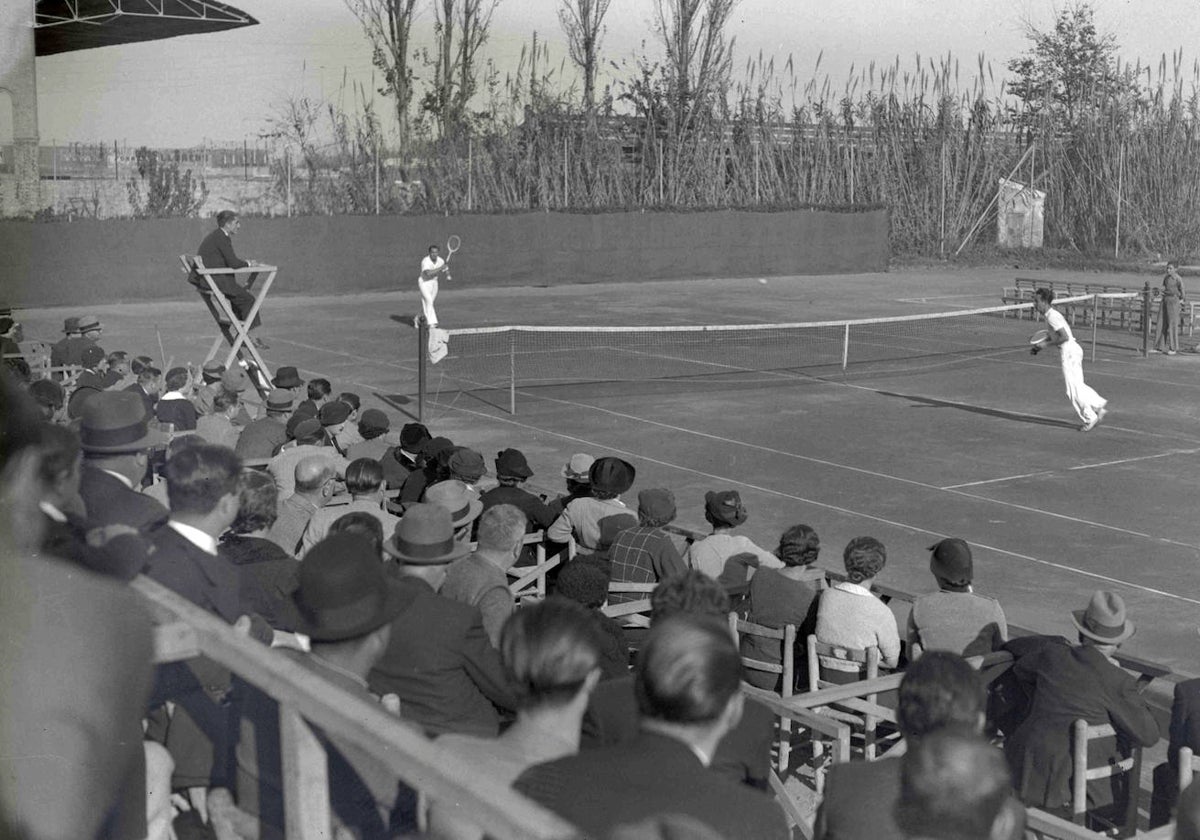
column 960, row 433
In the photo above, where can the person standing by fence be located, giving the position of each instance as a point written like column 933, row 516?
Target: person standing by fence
column 1166, row 339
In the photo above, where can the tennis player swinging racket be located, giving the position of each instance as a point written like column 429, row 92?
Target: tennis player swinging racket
column 433, row 267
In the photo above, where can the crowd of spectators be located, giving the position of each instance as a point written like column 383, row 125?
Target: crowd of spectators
column 381, row 562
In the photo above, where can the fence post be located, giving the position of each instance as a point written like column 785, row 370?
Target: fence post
column 305, row 778
column 422, row 363
column 287, row 167
column 470, row 170
column 1120, row 179
column 566, row 172
column 512, row 372
column 757, row 198
column 376, row 175
column 1147, row 299
column 660, row 171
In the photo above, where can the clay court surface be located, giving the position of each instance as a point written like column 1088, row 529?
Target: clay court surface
column 985, row 448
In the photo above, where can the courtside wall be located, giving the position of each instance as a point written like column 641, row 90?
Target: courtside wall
column 92, row 262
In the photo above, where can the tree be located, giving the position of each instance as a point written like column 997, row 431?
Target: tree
column 698, row 53
column 388, row 25
column 168, row 192
column 461, row 27
column 1068, row 71
column 582, row 22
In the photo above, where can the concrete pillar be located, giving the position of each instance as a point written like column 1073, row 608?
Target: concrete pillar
column 19, row 77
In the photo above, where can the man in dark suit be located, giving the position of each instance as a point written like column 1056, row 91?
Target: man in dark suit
column 744, row 753
column 1070, row 682
column 939, row 690
column 1184, row 732
column 439, row 661
column 688, row 686
column 216, row 251
column 116, row 450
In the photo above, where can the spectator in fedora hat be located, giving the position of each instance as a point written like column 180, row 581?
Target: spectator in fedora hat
column 724, row 511
column 287, row 377
column 63, row 349
column 346, row 606
column 595, row 521
column 577, row 473
column 439, row 661
column 512, row 470
column 646, row 553
column 955, row 618
column 1068, row 682
column 461, row 501
column 400, row 461
column 262, row 438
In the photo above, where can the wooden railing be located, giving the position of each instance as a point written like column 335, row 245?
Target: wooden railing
column 306, row 700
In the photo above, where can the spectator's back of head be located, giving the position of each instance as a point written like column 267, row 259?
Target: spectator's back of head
column 176, row 379
column 351, row 399
column 938, row 690
column 200, row 476
column 584, row 583
column 688, row 670
column 319, row 389
column 691, row 593
column 551, row 650
column 864, row 558
column 363, row 476
column 364, row 525
column 312, row 473
column 501, row 528
column 48, row 395
column 799, row 546
column 258, row 502
column 954, row 785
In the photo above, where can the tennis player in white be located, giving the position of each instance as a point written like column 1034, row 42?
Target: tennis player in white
column 1089, row 405
column 432, row 266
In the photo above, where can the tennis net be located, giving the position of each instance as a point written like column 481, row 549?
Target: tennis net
column 504, row 360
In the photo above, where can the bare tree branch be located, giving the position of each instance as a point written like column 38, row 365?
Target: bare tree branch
column 388, row 26
column 582, row 22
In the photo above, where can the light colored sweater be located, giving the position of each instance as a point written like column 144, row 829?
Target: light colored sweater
column 850, row 616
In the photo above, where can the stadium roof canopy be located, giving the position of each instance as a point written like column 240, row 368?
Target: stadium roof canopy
column 66, row 25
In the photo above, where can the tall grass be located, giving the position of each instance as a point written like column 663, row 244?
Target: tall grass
column 925, row 138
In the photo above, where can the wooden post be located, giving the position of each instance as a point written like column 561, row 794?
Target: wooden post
column 660, row 171
column 287, row 166
column 422, row 366
column 1120, row 179
column 566, row 172
column 470, row 168
column 245, row 159
column 377, row 176
column 305, row 778
column 757, row 196
column 942, row 225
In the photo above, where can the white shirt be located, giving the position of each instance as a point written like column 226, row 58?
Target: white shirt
column 1055, row 322
column 430, row 264
column 195, row 536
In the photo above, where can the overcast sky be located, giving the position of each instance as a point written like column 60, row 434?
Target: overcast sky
column 220, row 87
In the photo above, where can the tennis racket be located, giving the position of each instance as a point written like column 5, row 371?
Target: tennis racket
column 452, row 245
column 1039, row 337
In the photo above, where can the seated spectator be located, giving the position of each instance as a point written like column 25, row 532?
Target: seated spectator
column 90, row 330
column 146, row 385
column 646, row 553
column 439, row 661
column 65, row 347
column 91, row 380
column 550, row 654
column 361, row 524
column 349, row 435
column 1071, row 682
column 1184, row 732
column 288, row 378
column 117, row 374
column 364, row 482
column 466, row 465
column 850, row 616
column 577, row 474
column 744, row 754
column 480, row 579
column 234, row 381
column 594, row 521
column 76, row 667
column 401, row 461
column 157, row 488
column 174, row 407
column 334, row 417
column 512, row 470
column 587, row 585
column 432, row 463
column 315, row 481
column 217, row 426
column 263, row 438
column 687, row 684
column 269, row 574
column 939, row 691
column 462, row 503
column 953, row 786
column 210, row 385
column 779, row 597
column 373, row 442
column 310, row 440
column 346, row 606
column 955, row 618
column 724, row 511
column 50, row 399
column 318, row 391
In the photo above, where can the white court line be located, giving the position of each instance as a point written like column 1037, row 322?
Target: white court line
column 825, row 505
column 996, row 480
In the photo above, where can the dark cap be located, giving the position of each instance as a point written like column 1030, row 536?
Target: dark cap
column 724, row 508
column 374, row 420
column 656, row 504
column 611, row 475
column 467, row 464
column 91, row 356
column 951, row 562
column 511, row 463
column 412, row 436
column 287, row 377
column 333, row 413
column 308, row 429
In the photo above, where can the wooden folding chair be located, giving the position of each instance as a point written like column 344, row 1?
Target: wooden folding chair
column 529, row 582
column 234, row 332
column 631, row 613
column 1082, row 773
column 868, row 661
column 785, row 667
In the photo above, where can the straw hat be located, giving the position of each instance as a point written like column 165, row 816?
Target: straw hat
column 578, row 468
column 455, row 497
column 424, row 536
column 1104, row 619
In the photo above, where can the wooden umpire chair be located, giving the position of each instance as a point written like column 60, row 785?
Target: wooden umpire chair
column 234, row 332
column 866, row 713
column 1082, row 773
column 1189, row 763
column 785, row 668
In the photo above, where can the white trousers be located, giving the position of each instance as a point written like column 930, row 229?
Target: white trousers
column 429, row 290
column 1084, row 398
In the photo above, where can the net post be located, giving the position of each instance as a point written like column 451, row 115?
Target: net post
column 512, row 372
column 845, row 347
column 1147, row 296
column 422, row 361
column 1095, row 322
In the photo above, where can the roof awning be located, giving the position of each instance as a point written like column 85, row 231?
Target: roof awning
column 66, row 25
